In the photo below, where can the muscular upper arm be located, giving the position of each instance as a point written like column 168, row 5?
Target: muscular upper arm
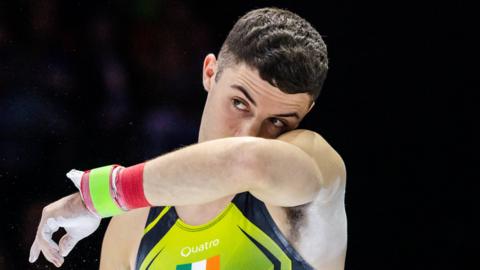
column 329, row 162
column 121, row 240
column 327, row 217
column 294, row 168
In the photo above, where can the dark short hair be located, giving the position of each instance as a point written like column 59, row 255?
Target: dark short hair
column 286, row 50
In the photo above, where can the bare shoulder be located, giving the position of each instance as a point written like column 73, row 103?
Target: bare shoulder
column 122, row 239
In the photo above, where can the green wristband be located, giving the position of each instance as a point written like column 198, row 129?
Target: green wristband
column 99, row 185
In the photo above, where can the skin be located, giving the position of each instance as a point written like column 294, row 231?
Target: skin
column 228, row 112
column 231, row 144
column 248, row 140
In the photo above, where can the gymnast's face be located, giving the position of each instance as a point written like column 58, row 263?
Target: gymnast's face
column 241, row 103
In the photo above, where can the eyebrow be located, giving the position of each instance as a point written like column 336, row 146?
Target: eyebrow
column 245, row 92
column 249, row 97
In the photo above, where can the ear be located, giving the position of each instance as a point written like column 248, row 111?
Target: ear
column 209, row 71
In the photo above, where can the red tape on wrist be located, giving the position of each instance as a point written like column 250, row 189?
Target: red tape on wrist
column 130, row 187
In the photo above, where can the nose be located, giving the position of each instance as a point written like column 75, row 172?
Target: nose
column 249, row 128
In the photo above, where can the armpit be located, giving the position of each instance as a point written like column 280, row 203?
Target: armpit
column 296, row 219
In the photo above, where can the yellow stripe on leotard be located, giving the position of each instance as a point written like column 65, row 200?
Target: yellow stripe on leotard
column 155, row 221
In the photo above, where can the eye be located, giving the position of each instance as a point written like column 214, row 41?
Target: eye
column 278, row 123
column 239, row 104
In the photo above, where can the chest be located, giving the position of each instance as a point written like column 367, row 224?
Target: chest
column 297, row 224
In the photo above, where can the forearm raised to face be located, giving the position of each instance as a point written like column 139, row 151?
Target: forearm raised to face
column 276, row 172
column 198, row 173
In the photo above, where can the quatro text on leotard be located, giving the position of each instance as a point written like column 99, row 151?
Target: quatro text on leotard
column 186, row 251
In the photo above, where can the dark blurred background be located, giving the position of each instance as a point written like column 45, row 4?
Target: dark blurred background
column 88, row 83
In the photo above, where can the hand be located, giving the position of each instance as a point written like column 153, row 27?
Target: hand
column 69, row 213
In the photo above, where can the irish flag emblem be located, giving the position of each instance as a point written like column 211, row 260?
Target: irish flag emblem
column 212, row 263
